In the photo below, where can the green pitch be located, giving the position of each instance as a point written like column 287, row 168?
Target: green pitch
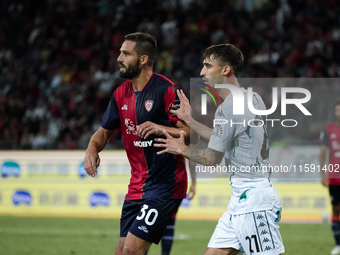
column 56, row 236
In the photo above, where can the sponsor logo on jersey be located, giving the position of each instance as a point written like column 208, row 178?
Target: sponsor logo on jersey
column 220, row 113
column 268, row 248
column 130, row 127
column 217, row 131
column 148, row 105
column 260, row 217
column 124, row 107
column 175, row 105
column 10, row 168
column 265, row 240
column 335, row 145
column 22, row 197
column 264, row 232
column 99, row 198
column 143, row 228
column 262, row 225
column 142, row 144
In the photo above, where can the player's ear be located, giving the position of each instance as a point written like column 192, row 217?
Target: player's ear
column 144, row 59
column 226, row 71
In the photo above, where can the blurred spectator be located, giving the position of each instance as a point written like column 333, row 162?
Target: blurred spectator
column 67, row 143
column 84, row 137
column 58, row 58
column 40, row 141
column 26, row 140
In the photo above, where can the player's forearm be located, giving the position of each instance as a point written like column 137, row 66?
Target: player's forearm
column 200, row 129
column 206, row 157
column 322, row 164
column 98, row 141
column 192, row 166
column 322, row 158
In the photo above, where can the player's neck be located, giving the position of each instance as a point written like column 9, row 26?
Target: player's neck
column 337, row 123
column 139, row 82
column 223, row 93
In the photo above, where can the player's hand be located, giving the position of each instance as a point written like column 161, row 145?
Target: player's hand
column 192, row 191
column 171, row 145
column 184, row 112
column 91, row 161
column 148, row 128
column 324, row 181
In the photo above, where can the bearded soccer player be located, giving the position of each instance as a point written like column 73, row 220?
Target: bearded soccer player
column 140, row 108
column 254, row 209
column 330, row 140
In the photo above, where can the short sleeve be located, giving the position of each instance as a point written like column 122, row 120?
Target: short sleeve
column 223, row 132
column 171, row 102
column 111, row 119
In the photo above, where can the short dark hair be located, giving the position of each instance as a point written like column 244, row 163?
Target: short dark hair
column 226, row 54
column 145, row 45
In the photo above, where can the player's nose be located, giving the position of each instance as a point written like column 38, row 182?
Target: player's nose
column 202, row 73
column 119, row 59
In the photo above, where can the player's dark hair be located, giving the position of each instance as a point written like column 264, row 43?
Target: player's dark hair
column 145, row 45
column 226, row 54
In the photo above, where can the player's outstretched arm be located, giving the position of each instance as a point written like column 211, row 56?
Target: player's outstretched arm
column 184, row 114
column 207, row 157
column 96, row 145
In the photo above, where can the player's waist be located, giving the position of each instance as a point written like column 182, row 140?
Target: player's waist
column 241, row 184
column 162, row 192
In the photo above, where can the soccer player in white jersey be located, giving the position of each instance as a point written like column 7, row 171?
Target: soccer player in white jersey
column 254, row 209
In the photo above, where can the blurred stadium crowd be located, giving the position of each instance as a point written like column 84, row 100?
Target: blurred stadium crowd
column 58, row 57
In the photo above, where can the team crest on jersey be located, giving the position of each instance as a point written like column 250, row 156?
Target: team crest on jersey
column 333, row 136
column 148, row 105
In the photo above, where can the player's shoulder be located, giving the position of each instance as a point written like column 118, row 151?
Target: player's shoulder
column 123, row 89
column 331, row 127
column 225, row 110
column 123, row 85
column 162, row 80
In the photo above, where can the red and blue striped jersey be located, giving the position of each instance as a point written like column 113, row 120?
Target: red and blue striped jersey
column 330, row 137
column 162, row 176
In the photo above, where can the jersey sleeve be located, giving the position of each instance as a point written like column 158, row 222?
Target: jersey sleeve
column 324, row 140
column 223, row 132
column 171, row 102
column 111, row 119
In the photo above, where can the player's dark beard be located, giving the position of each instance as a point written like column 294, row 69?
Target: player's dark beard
column 132, row 71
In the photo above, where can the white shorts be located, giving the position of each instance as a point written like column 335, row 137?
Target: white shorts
column 254, row 232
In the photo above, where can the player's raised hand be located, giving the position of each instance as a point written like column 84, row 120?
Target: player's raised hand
column 184, row 112
column 91, row 162
column 148, row 128
column 172, row 145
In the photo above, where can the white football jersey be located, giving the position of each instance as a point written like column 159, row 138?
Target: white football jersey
column 243, row 139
